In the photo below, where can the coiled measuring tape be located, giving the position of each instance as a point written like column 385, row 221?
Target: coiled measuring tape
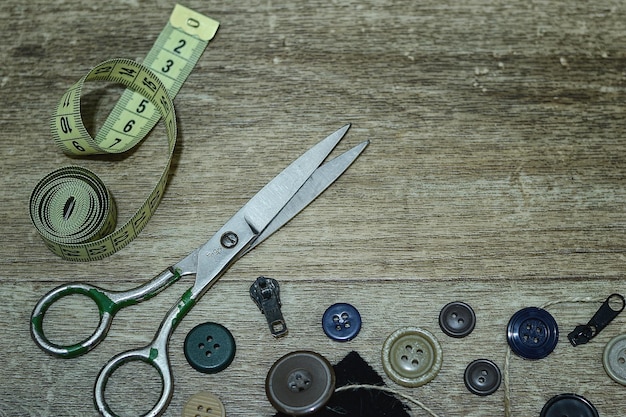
column 71, row 209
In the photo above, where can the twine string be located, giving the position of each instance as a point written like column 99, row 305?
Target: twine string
column 389, row 391
column 507, row 358
column 506, row 372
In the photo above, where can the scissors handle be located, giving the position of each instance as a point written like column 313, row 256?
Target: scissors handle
column 154, row 354
column 108, row 303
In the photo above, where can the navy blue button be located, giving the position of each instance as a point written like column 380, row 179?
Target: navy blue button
column 568, row 405
column 532, row 333
column 341, row 322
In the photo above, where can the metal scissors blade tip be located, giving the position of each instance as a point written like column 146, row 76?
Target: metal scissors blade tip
column 267, row 203
column 317, row 183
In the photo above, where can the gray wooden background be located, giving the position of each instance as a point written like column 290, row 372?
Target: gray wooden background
column 495, row 176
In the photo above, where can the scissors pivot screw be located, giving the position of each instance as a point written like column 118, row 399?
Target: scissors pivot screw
column 229, row 240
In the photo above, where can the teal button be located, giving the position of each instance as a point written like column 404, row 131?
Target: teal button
column 209, row 347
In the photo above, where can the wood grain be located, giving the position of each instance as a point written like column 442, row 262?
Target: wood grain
column 495, row 175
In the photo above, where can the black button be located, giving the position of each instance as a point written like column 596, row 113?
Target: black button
column 341, row 322
column 209, row 347
column 300, row 383
column 457, row 319
column 532, row 333
column 568, row 405
column 482, row 377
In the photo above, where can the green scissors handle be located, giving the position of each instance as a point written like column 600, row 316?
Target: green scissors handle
column 154, row 354
column 108, row 303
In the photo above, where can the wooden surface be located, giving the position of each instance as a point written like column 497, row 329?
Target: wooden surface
column 495, row 175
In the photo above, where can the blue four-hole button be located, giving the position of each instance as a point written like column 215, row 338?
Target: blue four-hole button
column 532, row 333
column 341, row 322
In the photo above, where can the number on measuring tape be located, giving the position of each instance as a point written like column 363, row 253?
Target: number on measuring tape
column 181, row 43
column 150, row 88
column 65, row 125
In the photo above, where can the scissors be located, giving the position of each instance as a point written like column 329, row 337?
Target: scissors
column 272, row 207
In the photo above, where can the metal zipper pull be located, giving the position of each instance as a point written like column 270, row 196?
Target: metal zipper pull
column 266, row 294
column 583, row 333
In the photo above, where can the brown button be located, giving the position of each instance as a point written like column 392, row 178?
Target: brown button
column 204, row 404
column 300, row 383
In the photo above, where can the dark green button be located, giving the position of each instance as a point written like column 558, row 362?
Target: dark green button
column 209, row 347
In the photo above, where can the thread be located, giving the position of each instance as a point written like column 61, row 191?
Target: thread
column 506, row 372
column 389, row 391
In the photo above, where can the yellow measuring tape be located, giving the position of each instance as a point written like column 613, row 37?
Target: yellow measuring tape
column 71, row 209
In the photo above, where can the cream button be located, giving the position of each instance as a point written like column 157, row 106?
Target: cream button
column 204, row 404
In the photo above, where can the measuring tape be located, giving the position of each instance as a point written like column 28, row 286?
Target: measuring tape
column 71, row 208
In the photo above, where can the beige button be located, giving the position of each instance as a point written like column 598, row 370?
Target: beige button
column 412, row 356
column 204, row 404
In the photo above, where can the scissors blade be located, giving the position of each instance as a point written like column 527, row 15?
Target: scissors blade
column 261, row 209
column 317, row 183
column 209, row 261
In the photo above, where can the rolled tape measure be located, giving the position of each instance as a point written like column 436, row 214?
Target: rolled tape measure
column 71, row 208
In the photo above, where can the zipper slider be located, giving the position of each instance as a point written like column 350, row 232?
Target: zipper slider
column 611, row 307
column 266, row 294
